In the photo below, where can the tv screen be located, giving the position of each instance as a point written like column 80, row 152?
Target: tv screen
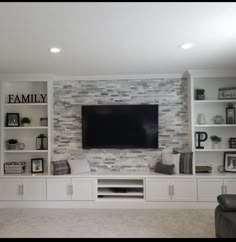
column 120, row 126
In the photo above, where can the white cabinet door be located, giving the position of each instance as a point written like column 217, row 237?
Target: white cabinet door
column 157, row 189
column 83, row 189
column 33, row 189
column 58, row 189
column 209, row 189
column 230, row 186
column 10, row 189
column 184, row 190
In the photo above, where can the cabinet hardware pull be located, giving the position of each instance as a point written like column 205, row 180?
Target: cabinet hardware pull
column 72, row 189
column 225, row 189
column 19, row 190
column 22, row 189
column 222, row 189
column 169, row 190
column 173, row 190
column 68, row 189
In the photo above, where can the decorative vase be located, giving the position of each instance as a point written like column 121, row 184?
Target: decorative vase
column 201, row 119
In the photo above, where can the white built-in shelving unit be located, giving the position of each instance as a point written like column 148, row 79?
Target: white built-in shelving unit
column 26, row 135
column 211, row 106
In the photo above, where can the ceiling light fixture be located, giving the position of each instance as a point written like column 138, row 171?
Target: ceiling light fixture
column 186, row 46
column 54, row 50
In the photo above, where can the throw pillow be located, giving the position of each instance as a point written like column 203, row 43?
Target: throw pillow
column 60, row 167
column 186, row 163
column 169, row 159
column 79, row 166
column 165, row 169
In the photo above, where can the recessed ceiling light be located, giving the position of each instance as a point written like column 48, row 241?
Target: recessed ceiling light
column 54, row 50
column 186, row 46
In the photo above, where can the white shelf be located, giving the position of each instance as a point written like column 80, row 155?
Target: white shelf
column 216, row 101
column 25, row 151
column 25, row 104
column 213, row 150
column 30, row 127
column 120, row 183
column 214, row 125
column 128, row 194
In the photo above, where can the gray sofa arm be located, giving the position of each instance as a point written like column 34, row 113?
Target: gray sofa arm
column 227, row 202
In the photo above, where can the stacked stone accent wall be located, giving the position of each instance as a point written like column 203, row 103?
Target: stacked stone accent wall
column 170, row 94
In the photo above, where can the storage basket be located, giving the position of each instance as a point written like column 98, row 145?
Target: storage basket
column 14, row 167
column 232, row 142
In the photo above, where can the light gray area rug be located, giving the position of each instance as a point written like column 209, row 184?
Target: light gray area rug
column 106, row 223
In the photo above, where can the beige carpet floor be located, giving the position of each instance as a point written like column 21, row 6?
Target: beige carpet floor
column 106, row 223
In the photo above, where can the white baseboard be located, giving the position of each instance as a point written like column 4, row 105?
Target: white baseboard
column 108, row 204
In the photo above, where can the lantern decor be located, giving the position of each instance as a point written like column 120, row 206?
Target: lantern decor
column 230, row 114
column 41, row 142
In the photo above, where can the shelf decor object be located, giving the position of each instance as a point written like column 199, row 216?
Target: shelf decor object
column 37, row 165
column 216, row 140
column 230, row 114
column 232, row 142
column 14, row 167
column 200, row 94
column 227, row 93
column 42, row 142
column 12, row 120
column 29, row 98
column 43, row 121
column 201, row 119
column 200, row 137
column 11, row 144
column 230, row 161
column 25, row 121
column 218, row 119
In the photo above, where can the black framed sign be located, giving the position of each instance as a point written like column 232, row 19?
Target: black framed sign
column 230, row 161
column 37, row 165
column 12, row 120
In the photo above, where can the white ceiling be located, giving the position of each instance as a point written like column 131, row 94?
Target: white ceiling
column 116, row 38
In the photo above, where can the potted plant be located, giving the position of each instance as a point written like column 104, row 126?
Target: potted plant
column 215, row 140
column 11, row 144
column 25, row 121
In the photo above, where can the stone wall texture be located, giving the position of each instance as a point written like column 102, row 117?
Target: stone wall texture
column 170, row 94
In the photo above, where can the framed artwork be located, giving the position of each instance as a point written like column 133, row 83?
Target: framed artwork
column 230, row 161
column 227, row 93
column 37, row 165
column 12, row 120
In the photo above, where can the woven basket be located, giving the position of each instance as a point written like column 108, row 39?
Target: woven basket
column 14, row 167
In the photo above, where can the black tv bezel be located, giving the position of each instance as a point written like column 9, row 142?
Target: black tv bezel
column 117, row 146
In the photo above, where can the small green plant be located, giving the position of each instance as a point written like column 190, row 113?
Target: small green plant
column 25, row 120
column 12, row 141
column 215, row 138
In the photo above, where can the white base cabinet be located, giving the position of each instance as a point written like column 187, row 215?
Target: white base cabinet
column 229, row 186
column 159, row 189
column 209, row 189
column 22, row 189
column 129, row 191
column 82, row 189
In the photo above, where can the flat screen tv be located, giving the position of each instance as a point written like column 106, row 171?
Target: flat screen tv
column 120, row 126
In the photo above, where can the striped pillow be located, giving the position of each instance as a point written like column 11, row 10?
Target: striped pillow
column 186, row 163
